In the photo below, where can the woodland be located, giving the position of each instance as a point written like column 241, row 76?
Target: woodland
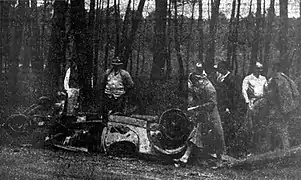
column 159, row 48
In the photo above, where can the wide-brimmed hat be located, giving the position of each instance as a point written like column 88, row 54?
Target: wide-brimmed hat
column 116, row 61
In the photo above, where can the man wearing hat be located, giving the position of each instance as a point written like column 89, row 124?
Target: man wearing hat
column 203, row 113
column 253, row 91
column 72, row 88
column 230, row 103
column 116, row 85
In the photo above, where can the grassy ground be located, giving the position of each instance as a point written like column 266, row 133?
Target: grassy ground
column 27, row 163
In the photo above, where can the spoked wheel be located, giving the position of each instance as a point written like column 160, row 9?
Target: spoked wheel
column 18, row 125
column 174, row 131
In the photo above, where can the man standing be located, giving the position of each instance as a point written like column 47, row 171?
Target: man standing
column 283, row 97
column 72, row 88
column 253, row 92
column 231, row 105
column 116, row 86
column 204, row 112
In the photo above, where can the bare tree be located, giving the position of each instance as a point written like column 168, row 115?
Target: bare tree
column 283, row 36
column 169, row 41
column 96, row 34
column 256, row 41
column 18, row 26
column 268, row 34
column 231, row 33
column 36, row 59
column 4, row 29
column 178, row 48
column 190, row 35
column 212, row 31
column 157, row 71
column 56, row 52
column 127, row 45
column 235, row 43
column 117, row 17
column 201, row 32
column 107, row 34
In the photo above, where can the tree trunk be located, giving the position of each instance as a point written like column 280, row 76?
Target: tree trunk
column 256, row 41
column 82, row 50
column 143, row 47
column 201, row 32
column 231, row 33
column 43, row 33
column 107, row 35
column 190, row 38
column 96, row 34
column 169, row 40
column 268, row 35
column 117, row 16
column 157, row 72
column 56, row 52
column 283, row 37
column 212, row 31
column 90, row 48
column 26, row 41
column 178, row 48
column 127, row 47
column 138, row 54
column 36, row 60
column 18, row 26
column 125, row 27
column 235, row 40
column 4, row 30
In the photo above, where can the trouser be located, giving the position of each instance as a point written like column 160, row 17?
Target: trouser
column 278, row 129
column 113, row 105
column 257, row 124
column 72, row 102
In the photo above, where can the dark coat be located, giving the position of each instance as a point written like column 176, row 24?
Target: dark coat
column 204, row 95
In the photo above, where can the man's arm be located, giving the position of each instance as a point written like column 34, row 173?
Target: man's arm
column 245, row 86
column 128, row 81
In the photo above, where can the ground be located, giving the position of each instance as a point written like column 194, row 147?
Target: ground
column 29, row 163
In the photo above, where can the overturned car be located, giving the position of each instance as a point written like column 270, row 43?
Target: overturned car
column 152, row 135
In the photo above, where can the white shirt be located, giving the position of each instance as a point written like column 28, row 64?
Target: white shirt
column 66, row 80
column 253, row 87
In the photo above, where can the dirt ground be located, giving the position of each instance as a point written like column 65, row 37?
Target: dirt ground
column 28, row 163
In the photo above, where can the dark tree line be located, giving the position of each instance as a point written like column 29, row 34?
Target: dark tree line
column 162, row 45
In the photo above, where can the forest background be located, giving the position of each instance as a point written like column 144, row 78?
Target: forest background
column 159, row 42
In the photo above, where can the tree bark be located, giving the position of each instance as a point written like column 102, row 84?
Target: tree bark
column 212, row 31
column 90, row 48
column 231, row 33
column 36, row 60
column 56, row 51
column 157, row 72
column 190, row 37
column 283, row 37
column 268, row 35
column 117, row 17
column 201, row 32
column 178, row 48
column 18, row 26
column 26, row 41
column 107, row 35
column 256, row 41
column 169, row 41
column 235, row 43
column 4, row 30
column 127, row 47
